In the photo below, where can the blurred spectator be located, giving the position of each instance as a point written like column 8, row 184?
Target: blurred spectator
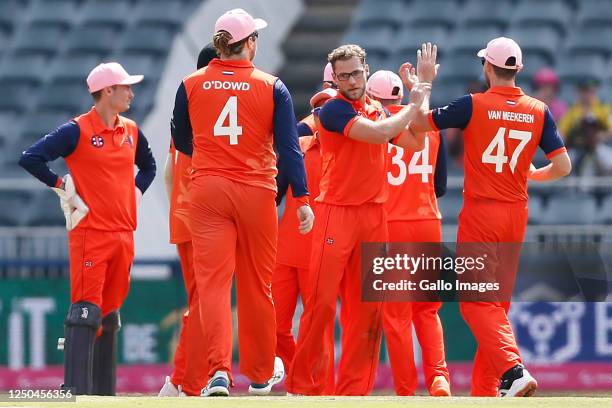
column 546, row 89
column 589, row 154
column 587, row 104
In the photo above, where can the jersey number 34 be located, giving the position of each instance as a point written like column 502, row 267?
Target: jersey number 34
column 229, row 113
column 499, row 145
column 424, row 169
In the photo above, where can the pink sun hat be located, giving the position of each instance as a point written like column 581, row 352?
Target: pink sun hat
column 500, row 51
column 385, row 85
column 239, row 24
column 109, row 74
column 328, row 73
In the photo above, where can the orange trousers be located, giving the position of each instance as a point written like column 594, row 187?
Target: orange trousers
column 335, row 267
column 491, row 221
column 398, row 318
column 100, row 263
column 190, row 364
column 287, row 283
column 234, row 230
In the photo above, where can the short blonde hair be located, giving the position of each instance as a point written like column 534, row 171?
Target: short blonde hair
column 346, row 52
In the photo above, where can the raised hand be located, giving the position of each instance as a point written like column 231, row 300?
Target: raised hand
column 427, row 69
column 408, row 75
column 418, row 93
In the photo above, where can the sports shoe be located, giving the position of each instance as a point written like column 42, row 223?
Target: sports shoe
column 517, row 382
column 169, row 390
column 218, row 386
column 439, row 387
column 264, row 389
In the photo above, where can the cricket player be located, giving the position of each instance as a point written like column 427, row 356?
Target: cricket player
column 415, row 180
column 353, row 134
column 99, row 197
column 190, row 365
column 230, row 115
column 293, row 252
column 503, row 127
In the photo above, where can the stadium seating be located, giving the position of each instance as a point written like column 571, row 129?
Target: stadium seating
column 46, row 13
column 562, row 209
column 542, row 13
column 487, row 13
column 381, row 13
column 595, row 13
column 108, row 13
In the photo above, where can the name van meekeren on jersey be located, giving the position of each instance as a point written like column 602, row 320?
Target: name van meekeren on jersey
column 511, row 116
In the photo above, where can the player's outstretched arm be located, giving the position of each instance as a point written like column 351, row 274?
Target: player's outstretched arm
column 559, row 166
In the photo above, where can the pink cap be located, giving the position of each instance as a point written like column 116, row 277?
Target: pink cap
column 499, row 50
column 385, row 85
column 328, row 73
column 239, row 24
column 546, row 76
column 322, row 96
column 109, row 74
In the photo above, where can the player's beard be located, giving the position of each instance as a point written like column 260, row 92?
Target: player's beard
column 354, row 95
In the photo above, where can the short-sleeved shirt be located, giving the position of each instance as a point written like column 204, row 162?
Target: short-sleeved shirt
column 503, row 127
column 180, row 230
column 412, row 193
column 353, row 172
column 289, row 237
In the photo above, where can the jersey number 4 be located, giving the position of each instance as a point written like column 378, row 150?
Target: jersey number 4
column 424, row 169
column 229, row 113
column 499, row 145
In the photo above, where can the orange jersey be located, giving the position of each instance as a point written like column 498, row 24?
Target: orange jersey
column 289, row 238
column 231, row 108
column 412, row 194
column 353, row 172
column 179, row 199
column 102, row 166
column 502, row 129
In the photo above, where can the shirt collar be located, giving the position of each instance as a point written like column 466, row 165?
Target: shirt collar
column 232, row 63
column 98, row 125
column 367, row 107
column 506, row 90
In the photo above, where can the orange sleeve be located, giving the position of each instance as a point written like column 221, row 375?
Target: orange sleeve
column 556, row 152
column 349, row 125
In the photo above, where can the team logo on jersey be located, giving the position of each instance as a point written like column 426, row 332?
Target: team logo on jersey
column 228, row 72
column 97, row 141
column 88, row 264
column 329, row 241
column 129, row 140
column 84, row 312
column 511, row 103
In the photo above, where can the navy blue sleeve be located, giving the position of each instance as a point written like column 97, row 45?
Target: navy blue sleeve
column 282, row 185
column 145, row 163
column 180, row 125
column 551, row 139
column 303, row 129
column 59, row 143
column 457, row 114
column 336, row 114
column 440, row 174
column 291, row 161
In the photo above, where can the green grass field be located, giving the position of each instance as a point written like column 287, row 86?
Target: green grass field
column 605, row 400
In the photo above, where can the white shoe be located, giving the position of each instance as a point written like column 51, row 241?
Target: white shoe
column 169, row 390
column 218, row 386
column 517, row 382
column 277, row 377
